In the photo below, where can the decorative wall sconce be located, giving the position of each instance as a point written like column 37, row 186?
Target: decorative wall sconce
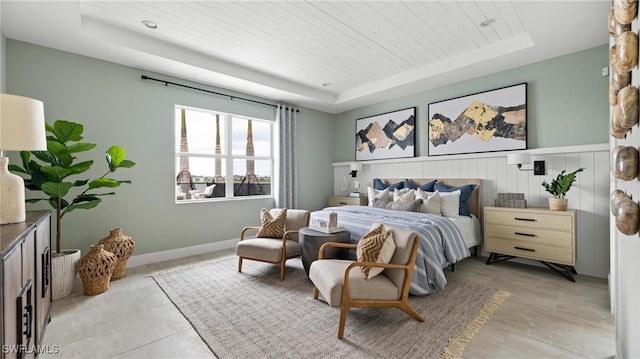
column 524, row 158
column 355, row 167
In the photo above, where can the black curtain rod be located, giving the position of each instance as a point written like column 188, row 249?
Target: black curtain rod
column 167, row 83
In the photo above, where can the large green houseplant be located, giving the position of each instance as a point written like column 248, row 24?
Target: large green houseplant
column 559, row 187
column 51, row 171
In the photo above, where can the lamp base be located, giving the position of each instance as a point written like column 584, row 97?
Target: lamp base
column 12, row 206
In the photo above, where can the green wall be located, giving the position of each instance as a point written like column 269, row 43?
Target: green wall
column 117, row 107
column 566, row 95
column 567, row 103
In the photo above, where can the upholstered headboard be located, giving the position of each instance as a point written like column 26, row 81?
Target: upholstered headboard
column 474, row 202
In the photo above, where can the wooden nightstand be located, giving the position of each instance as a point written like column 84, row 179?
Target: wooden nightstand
column 347, row 201
column 533, row 233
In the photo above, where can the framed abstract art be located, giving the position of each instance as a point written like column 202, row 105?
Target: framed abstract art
column 388, row 135
column 489, row 121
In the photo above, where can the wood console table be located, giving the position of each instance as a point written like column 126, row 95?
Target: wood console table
column 25, row 298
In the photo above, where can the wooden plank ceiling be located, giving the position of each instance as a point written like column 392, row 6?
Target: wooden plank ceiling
column 346, row 44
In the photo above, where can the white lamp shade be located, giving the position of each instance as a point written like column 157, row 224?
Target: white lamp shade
column 355, row 167
column 21, row 124
column 521, row 158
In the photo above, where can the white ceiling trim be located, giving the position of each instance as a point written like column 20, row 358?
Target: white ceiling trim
column 457, row 62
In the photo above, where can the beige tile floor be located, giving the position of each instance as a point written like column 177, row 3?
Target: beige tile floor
column 546, row 316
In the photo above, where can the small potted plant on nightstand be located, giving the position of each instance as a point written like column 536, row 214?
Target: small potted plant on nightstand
column 559, row 187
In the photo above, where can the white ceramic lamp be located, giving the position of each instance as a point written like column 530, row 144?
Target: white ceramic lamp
column 21, row 129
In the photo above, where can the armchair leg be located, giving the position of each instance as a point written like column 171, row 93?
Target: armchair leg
column 239, row 264
column 315, row 292
column 282, row 266
column 343, row 320
column 407, row 309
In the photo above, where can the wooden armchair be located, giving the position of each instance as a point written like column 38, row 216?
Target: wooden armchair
column 274, row 250
column 341, row 285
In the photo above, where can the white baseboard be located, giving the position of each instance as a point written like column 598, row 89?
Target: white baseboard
column 154, row 257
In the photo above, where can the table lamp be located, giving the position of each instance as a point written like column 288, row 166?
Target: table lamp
column 21, row 129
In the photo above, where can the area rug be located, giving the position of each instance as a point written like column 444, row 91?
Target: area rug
column 255, row 315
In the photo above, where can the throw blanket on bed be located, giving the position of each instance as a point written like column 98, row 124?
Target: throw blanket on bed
column 441, row 241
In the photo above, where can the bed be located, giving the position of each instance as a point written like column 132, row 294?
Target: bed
column 444, row 240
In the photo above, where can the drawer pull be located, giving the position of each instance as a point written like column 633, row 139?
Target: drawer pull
column 525, row 219
column 525, row 249
column 343, row 202
column 525, row 234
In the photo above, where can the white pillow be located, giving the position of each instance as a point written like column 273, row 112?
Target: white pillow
column 431, row 204
column 403, row 195
column 374, row 193
column 450, row 203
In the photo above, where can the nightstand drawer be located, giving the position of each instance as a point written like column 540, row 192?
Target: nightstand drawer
column 530, row 219
column 530, row 250
column 535, row 235
column 347, row 201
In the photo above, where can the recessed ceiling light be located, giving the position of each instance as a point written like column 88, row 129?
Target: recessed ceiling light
column 326, row 84
column 150, row 24
column 488, row 22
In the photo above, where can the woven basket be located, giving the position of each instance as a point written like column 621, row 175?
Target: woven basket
column 122, row 246
column 95, row 269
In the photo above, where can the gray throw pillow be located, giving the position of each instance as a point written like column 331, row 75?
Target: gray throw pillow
column 409, row 206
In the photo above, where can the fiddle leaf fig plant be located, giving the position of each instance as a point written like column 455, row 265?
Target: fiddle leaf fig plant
column 560, row 185
column 50, row 171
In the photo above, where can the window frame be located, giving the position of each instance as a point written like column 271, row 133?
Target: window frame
column 227, row 156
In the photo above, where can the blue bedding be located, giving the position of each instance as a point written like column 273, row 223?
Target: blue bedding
column 441, row 241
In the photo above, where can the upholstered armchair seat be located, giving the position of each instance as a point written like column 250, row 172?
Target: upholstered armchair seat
column 328, row 277
column 273, row 250
column 268, row 249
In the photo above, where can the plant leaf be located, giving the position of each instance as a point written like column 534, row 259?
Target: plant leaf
column 115, row 156
column 81, row 167
column 84, row 198
column 56, row 148
column 103, row 182
column 68, row 131
column 16, row 168
column 56, row 172
column 80, row 183
column 45, row 156
column 126, row 164
column 101, row 194
column 37, row 176
column 34, row 200
column 81, row 147
column 25, row 156
column 56, row 189
column 83, row 205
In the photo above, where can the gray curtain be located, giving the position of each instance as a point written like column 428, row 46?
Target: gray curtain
column 286, row 182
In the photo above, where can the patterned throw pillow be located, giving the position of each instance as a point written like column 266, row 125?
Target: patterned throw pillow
column 404, row 195
column 272, row 227
column 409, row 206
column 373, row 193
column 377, row 246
